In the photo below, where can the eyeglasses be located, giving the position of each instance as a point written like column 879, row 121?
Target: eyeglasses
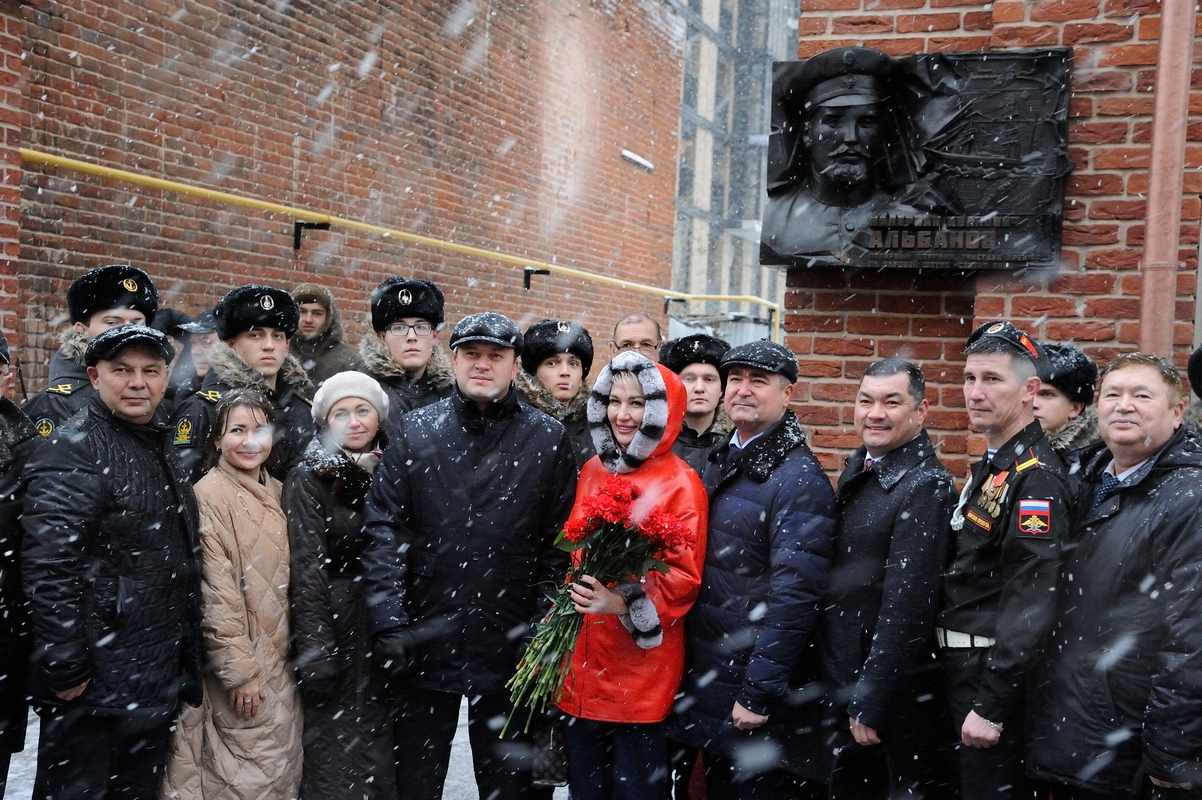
column 401, row 330
column 641, row 347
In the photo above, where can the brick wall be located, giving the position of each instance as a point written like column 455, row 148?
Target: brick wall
column 11, row 29
column 493, row 124
column 838, row 323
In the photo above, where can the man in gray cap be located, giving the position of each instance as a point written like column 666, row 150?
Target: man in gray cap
column 100, row 299
column 771, row 526
column 110, row 566
column 462, row 518
column 835, row 106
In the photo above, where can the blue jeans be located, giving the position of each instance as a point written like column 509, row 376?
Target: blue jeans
column 616, row 760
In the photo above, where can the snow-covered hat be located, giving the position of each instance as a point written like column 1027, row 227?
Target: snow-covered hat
column 344, row 385
column 487, row 326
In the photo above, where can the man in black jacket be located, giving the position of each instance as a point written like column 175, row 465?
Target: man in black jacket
column 100, row 299
column 256, row 325
column 998, row 594
column 876, row 637
column 696, row 360
column 110, row 567
column 18, row 438
column 1120, row 694
column 461, row 519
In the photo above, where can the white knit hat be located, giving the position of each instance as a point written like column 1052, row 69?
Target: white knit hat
column 344, row 385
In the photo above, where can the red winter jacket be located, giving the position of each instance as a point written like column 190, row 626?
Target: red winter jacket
column 612, row 679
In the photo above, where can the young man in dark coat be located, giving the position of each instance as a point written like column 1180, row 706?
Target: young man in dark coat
column 696, row 359
column 876, row 639
column 99, row 299
column 402, row 351
column 771, row 525
column 110, row 566
column 1062, row 405
column 18, row 438
column 999, row 593
column 556, row 358
column 461, row 520
column 1117, row 702
column 318, row 344
column 256, row 325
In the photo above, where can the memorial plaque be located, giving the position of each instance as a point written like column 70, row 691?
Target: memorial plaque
column 933, row 161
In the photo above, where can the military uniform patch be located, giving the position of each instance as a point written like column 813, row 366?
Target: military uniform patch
column 183, row 432
column 1035, row 517
column 212, row 395
column 976, row 519
column 62, row 388
column 45, row 426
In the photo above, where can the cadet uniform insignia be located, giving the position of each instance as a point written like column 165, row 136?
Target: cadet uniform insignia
column 45, row 426
column 993, row 493
column 130, row 285
column 62, row 388
column 183, row 432
column 1030, row 463
column 267, row 302
column 1035, row 517
column 212, row 395
column 566, row 327
column 976, row 519
column 405, row 297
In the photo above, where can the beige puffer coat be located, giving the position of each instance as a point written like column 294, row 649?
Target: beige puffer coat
column 244, row 540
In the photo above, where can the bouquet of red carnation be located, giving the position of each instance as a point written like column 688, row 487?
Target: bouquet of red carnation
column 611, row 545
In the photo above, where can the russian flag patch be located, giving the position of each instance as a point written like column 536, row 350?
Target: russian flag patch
column 1035, row 517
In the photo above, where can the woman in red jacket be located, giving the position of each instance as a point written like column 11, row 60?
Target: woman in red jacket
column 629, row 656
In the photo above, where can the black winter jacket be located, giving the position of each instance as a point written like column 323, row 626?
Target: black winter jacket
column 404, row 393
column 695, row 448
column 1121, row 686
column 573, row 415
column 68, row 389
column 462, row 518
column 110, row 567
column 771, row 524
column 18, row 438
column 348, row 739
column 292, row 400
column 876, row 635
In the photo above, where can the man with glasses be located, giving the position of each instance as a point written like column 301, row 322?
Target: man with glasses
column 637, row 332
column 402, row 351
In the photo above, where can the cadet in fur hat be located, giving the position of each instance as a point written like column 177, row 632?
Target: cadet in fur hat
column 556, row 360
column 102, row 298
column 402, row 351
column 255, row 325
column 696, row 360
column 1062, row 404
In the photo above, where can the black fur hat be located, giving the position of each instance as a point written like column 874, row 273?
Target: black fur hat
column 1069, row 370
column 550, row 337
column 399, row 297
column 255, row 306
column 114, row 286
column 699, row 348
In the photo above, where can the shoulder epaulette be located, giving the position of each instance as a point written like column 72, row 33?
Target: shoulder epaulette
column 1030, row 463
column 62, row 388
column 212, row 395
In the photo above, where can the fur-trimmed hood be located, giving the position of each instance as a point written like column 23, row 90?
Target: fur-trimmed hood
column 73, row 344
column 664, row 395
column 1078, row 433
column 538, row 396
column 379, row 362
column 229, row 368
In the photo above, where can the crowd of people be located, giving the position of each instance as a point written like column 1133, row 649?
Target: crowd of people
column 265, row 565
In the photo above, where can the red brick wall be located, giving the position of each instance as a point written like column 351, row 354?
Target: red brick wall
column 11, row 29
column 501, row 129
column 839, row 323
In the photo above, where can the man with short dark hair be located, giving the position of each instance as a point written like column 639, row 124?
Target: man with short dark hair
column 637, row 332
column 875, row 642
column 998, row 594
column 318, row 345
column 402, row 351
column 255, row 325
column 696, row 359
column 1062, row 404
column 462, row 518
column 111, row 570
column 100, row 299
column 768, row 550
column 1119, row 695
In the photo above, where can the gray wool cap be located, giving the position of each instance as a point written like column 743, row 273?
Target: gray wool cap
column 765, row 355
column 487, row 326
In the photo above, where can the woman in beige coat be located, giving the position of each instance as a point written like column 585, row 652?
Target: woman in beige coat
column 244, row 743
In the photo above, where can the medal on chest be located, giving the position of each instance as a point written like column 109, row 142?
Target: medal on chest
column 993, row 493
